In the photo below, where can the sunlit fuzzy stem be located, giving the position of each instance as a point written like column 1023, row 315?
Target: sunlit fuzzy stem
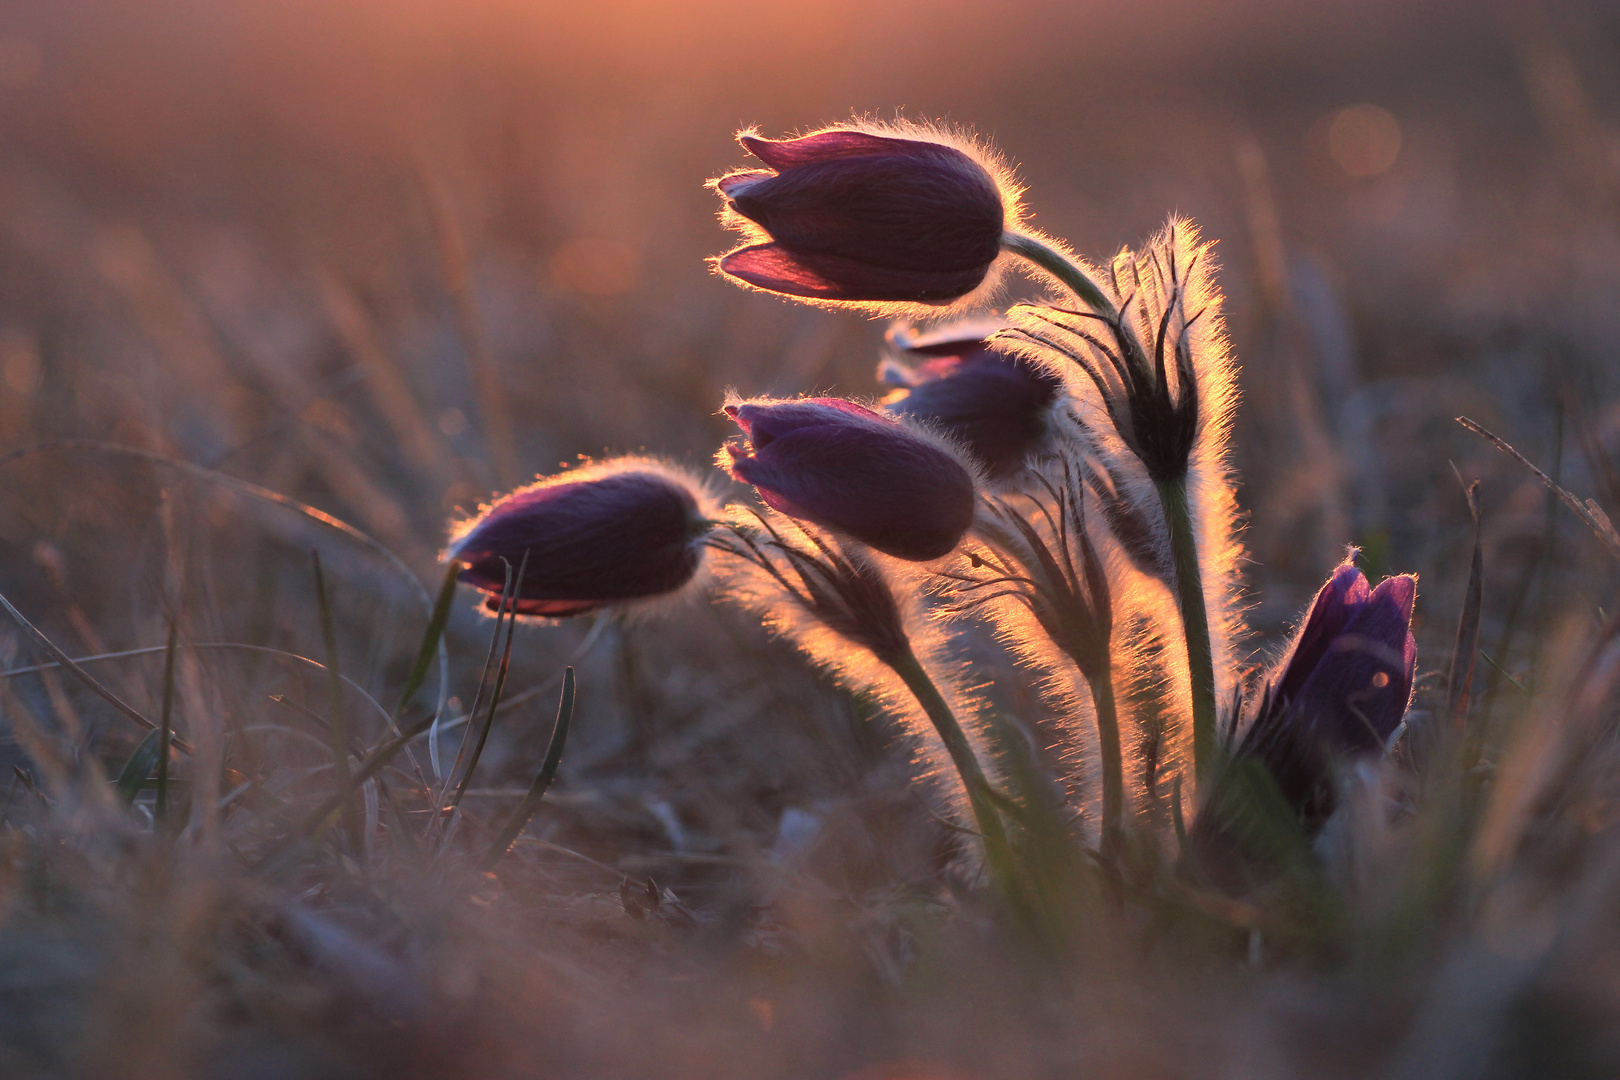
column 1057, row 264
column 911, row 672
column 1113, row 761
column 1094, row 663
column 1194, row 620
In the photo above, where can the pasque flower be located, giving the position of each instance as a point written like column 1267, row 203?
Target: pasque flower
column 1339, row 692
column 997, row 405
column 846, row 468
column 903, row 213
column 606, row 533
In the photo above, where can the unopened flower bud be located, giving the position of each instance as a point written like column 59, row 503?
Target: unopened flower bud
column 1339, row 693
column 997, row 405
column 844, row 467
column 858, row 216
column 607, row 533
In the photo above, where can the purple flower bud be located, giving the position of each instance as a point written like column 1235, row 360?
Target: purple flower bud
column 1342, row 688
column 1349, row 675
column 602, row 534
column 851, row 215
column 997, row 405
column 1340, row 692
column 847, row 468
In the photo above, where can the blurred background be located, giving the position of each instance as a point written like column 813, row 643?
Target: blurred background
column 393, row 256
column 400, row 255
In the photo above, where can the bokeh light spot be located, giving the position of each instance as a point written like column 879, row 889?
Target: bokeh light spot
column 19, row 363
column 452, row 422
column 1364, row 140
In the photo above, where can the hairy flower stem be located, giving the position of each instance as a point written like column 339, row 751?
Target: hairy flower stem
column 1113, row 762
column 911, row 672
column 1057, row 264
column 1194, row 620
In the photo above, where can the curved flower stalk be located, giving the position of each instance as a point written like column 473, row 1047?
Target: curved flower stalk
column 892, row 217
column 1150, row 370
column 1337, row 694
column 610, row 533
column 838, row 604
column 998, row 407
column 1047, row 585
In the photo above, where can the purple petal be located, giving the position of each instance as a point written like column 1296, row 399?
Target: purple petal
column 888, row 489
column 765, row 421
column 958, row 338
column 831, row 277
column 735, row 183
column 1358, row 693
column 936, row 213
column 996, row 406
column 1336, row 603
column 829, row 145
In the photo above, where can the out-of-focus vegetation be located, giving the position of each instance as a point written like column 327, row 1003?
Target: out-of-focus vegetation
column 388, row 259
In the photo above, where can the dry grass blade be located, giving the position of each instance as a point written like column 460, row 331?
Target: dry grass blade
column 500, row 686
column 1587, row 511
column 204, row 646
column 548, row 772
column 323, row 814
column 90, row 682
column 336, row 727
column 139, row 766
column 1461, row 678
column 160, row 811
column 432, row 636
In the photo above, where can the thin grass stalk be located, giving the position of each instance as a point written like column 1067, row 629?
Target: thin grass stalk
column 495, row 697
column 337, row 728
column 431, row 637
column 1460, row 679
column 1549, row 560
column 483, row 684
column 542, row 781
column 1194, row 621
column 160, row 812
column 326, row 811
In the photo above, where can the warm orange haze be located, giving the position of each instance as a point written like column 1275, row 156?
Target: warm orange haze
column 852, row 541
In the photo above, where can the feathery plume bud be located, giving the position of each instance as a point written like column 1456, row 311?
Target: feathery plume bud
column 1157, row 363
column 1037, row 572
column 867, row 214
column 606, row 533
column 998, row 406
column 1154, row 386
column 846, row 468
column 839, row 605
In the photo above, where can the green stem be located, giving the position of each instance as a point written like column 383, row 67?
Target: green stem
column 1194, row 620
column 1054, row 262
column 910, row 669
column 1113, row 761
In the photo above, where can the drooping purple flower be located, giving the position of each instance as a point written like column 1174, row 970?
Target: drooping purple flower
column 850, row 215
column 997, row 405
column 1339, row 693
column 847, row 468
column 608, row 533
